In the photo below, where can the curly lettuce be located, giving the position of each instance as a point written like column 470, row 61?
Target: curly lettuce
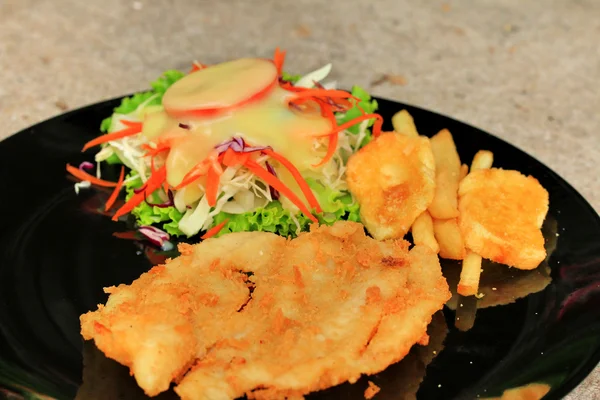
column 289, row 77
column 274, row 218
column 145, row 214
column 367, row 104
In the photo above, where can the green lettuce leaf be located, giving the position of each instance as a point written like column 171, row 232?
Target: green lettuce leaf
column 128, row 105
column 367, row 104
column 168, row 78
column 274, row 218
column 113, row 159
column 290, row 78
column 145, row 214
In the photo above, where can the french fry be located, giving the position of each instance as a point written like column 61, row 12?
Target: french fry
column 403, row 123
column 464, row 171
column 422, row 232
column 449, row 238
column 447, row 176
column 470, row 274
column 482, row 160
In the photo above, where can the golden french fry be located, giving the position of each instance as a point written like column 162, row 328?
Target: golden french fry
column 482, row 160
column 464, row 171
column 447, row 171
column 449, row 237
column 470, row 274
column 403, row 122
column 422, row 232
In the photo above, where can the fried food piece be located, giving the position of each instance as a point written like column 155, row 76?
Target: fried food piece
column 253, row 313
column 423, row 233
column 103, row 379
column 483, row 159
column 449, row 238
column 447, row 176
column 404, row 123
column 470, row 274
column 501, row 215
column 371, row 391
column 393, row 179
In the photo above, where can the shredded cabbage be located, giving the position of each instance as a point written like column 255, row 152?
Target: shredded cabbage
column 308, row 80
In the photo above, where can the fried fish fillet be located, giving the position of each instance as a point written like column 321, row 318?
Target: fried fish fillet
column 501, row 215
column 393, row 179
column 257, row 314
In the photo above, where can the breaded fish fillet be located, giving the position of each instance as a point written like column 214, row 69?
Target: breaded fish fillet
column 257, row 314
column 501, row 215
column 393, row 179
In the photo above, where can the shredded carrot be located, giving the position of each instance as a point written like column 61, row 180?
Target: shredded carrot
column 214, row 158
column 84, row 176
column 327, row 93
column 166, row 187
column 331, row 148
column 201, row 169
column 212, row 186
column 278, row 60
column 153, row 152
column 113, row 197
column 291, row 88
column 153, row 183
column 131, row 124
column 232, row 158
column 327, row 112
column 214, row 230
column 197, row 67
column 376, row 126
column 306, row 190
column 133, row 128
column 273, row 181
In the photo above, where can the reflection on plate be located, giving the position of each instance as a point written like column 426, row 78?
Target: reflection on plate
column 499, row 284
column 531, row 391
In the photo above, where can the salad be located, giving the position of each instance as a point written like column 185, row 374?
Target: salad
column 237, row 146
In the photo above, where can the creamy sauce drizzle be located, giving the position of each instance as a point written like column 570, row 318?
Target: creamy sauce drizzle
column 267, row 120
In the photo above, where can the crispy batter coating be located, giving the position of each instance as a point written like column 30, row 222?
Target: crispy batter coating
column 371, row 391
column 393, row 179
column 256, row 314
column 501, row 215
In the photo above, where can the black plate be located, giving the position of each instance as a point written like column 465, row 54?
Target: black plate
column 57, row 253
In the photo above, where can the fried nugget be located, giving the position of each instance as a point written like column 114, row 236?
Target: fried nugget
column 257, row 314
column 393, row 179
column 501, row 215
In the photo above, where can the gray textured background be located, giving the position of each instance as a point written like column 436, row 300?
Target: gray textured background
column 525, row 70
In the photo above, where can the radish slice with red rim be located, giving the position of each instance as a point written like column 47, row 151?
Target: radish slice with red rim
column 221, row 87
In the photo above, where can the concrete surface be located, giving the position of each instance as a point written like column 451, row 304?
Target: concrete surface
column 525, row 70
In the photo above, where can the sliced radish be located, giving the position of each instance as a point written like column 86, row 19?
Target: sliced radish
column 221, row 87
